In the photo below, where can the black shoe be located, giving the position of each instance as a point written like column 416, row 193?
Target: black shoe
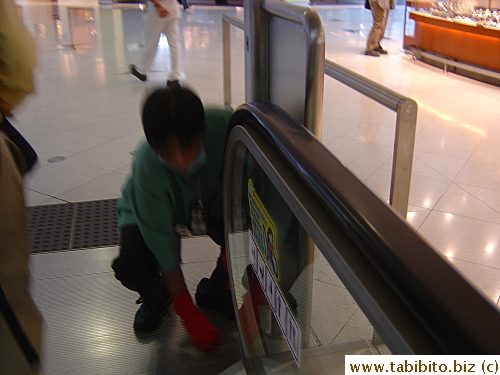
column 136, row 73
column 216, row 300
column 380, row 50
column 147, row 319
column 174, row 84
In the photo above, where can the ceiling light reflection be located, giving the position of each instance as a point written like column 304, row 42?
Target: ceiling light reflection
column 490, row 248
column 452, row 120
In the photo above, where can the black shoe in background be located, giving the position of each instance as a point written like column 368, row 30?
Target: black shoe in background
column 174, row 84
column 136, row 73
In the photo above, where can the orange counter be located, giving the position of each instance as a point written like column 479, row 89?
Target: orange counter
column 473, row 44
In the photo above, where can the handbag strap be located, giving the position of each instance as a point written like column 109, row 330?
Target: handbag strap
column 11, row 132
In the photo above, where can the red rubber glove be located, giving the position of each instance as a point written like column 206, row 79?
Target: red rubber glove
column 204, row 335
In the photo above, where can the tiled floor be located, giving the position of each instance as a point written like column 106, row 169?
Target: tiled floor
column 86, row 110
column 88, row 319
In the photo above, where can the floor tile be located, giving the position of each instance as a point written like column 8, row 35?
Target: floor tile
column 485, row 175
column 449, row 138
column 106, row 186
column 463, row 238
column 488, row 196
column 416, row 215
column 447, row 166
column 459, row 202
column 333, row 307
column 53, row 179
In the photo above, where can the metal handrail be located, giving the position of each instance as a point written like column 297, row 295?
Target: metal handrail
column 405, row 108
column 416, row 300
column 406, row 123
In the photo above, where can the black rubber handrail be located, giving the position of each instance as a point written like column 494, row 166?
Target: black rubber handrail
column 456, row 315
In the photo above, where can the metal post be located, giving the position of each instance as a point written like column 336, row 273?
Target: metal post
column 226, row 58
column 256, row 46
column 402, row 162
column 227, row 21
column 256, row 90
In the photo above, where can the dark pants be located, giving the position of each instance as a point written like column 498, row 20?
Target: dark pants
column 184, row 3
column 137, row 268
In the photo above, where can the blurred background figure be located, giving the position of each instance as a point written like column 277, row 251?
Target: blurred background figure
column 184, row 3
column 20, row 320
column 380, row 13
column 162, row 17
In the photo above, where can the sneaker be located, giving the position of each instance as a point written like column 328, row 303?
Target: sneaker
column 380, row 50
column 174, row 84
column 146, row 319
column 136, row 73
column 215, row 300
column 372, row 53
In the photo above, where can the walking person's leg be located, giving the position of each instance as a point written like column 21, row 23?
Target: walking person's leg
column 137, row 269
column 153, row 29
column 377, row 31
column 172, row 32
column 383, row 26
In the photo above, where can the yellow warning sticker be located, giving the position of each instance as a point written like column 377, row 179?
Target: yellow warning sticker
column 264, row 231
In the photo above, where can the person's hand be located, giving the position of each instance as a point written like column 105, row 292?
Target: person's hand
column 162, row 12
column 204, row 335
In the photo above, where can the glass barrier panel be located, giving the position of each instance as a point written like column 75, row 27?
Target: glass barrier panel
column 289, row 299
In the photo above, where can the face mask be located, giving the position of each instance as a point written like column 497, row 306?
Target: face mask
column 195, row 166
column 198, row 163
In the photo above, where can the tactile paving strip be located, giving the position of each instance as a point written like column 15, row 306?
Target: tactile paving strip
column 71, row 226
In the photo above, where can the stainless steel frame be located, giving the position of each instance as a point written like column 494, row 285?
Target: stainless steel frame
column 405, row 108
column 257, row 60
column 406, row 123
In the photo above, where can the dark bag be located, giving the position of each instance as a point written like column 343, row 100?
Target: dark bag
column 367, row 4
column 28, row 152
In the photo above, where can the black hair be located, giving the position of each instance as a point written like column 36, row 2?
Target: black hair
column 172, row 112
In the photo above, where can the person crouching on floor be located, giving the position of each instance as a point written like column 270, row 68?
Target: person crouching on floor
column 176, row 179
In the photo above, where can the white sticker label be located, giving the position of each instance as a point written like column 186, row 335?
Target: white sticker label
column 274, row 295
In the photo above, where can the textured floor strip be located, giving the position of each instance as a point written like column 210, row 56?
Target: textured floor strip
column 71, row 226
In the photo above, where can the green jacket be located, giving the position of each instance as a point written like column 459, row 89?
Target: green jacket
column 157, row 198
